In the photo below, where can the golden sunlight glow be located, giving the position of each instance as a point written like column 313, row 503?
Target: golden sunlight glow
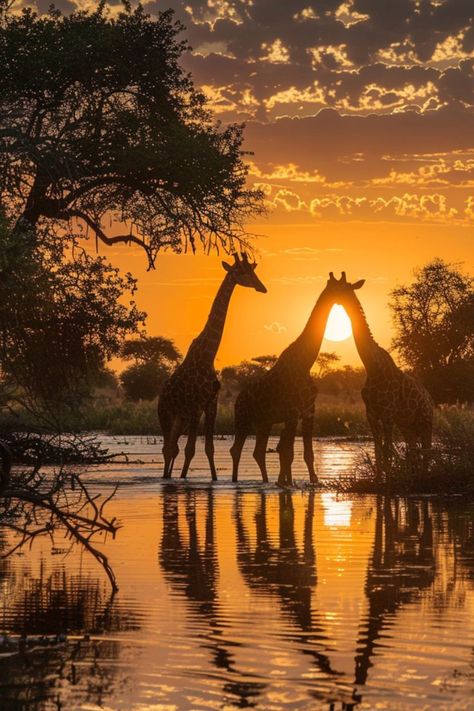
column 337, row 512
column 338, row 327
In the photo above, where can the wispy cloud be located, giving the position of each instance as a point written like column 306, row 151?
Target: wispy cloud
column 275, row 327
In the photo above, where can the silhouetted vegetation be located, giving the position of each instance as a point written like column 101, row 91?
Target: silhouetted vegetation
column 153, row 360
column 101, row 124
column 38, row 503
column 434, row 322
column 62, row 316
column 446, row 469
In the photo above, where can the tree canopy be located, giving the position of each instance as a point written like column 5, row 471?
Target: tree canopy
column 153, row 359
column 63, row 314
column 100, row 129
column 434, row 323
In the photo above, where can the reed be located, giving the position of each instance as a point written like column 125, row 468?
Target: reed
column 447, row 469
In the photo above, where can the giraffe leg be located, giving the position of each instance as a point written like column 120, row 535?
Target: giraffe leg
column 377, row 433
column 190, row 445
column 165, row 424
column 286, row 451
column 210, row 418
column 166, row 458
column 307, row 432
column 412, row 453
column 236, row 451
column 171, row 450
column 260, row 451
column 387, row 445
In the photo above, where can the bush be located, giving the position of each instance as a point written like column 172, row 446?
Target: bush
column 447, row 469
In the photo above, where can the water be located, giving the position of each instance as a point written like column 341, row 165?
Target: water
column 248, row 597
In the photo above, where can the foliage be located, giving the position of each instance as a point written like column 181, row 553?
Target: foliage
column 266, row 361
column 342, row 383
column 98, row 122
column 434, row 322
column 61, row 319
column 340, row 420
column 143, row 381
column 325, row 363
column 446, row 469
column 154, row 359
column 151, row 349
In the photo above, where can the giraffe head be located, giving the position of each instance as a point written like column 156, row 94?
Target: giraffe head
column 243, row 272
column 340, row 290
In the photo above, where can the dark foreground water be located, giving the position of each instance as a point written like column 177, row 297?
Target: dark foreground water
column 247, row 597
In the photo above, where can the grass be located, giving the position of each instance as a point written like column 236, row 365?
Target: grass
column 449, row 467
column 129, row 418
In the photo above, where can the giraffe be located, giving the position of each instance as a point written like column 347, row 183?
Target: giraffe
column 193, row 387
column 284, row 394
column 392, row 397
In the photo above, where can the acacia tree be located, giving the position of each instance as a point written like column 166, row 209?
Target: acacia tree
column 100, row 126
column 434, row 323
column 153, row 359
column 63, row 315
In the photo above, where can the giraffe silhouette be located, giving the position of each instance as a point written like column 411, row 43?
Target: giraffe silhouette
column 392, row 397
column 284, row 394
column 193, row 387
column 402, row 565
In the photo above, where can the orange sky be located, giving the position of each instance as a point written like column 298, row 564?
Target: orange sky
column 294, row 262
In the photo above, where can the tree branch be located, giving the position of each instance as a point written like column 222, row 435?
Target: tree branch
column 116, row 239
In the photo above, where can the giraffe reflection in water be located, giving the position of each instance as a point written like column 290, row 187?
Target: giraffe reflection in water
column 192, row 569
column 290, row 599
column 400, row 568
column 285, row 570
column 402, row 565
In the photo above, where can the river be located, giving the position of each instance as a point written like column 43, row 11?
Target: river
column 246, row 596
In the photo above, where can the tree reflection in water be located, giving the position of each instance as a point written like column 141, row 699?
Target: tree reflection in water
column 36, row 669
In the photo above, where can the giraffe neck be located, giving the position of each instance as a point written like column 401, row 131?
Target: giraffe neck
column 308, row 344
column 367, row 347
column 206, row 345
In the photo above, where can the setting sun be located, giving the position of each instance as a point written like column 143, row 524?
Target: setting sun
column 338, row 327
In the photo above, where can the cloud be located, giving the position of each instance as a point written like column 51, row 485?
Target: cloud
column 315, row 142
column 358, row 55
column 354, row 109
column 405, row 207
column 275, row 327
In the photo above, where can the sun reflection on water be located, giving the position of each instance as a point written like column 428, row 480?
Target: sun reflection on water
column 253, row 598
column 337, row 511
